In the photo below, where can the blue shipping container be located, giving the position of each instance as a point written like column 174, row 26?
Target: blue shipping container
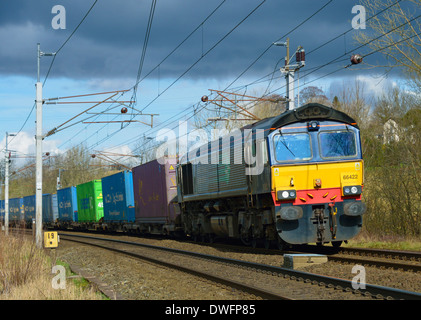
column 47, row 209
column 2, row 210
column 54, row 205
column 118, row 198
column 16, row 209
column 67, row 204
column 29, row 208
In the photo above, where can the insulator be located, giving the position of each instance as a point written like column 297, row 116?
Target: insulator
column 356, row 58
column 302, row 55
column 124, row 110
column 205, row 99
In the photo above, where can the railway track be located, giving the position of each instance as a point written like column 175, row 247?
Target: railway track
column 258, row 292
column 408, row 261
column 279, row 285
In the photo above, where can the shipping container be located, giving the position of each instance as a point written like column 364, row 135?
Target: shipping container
column 54, row 205
column 67, row 204
column 47, row 208
column 29, row 209
column 2, row 211
column 89, row 201
column 154, row 186
column 118, row 198
column 16, row 210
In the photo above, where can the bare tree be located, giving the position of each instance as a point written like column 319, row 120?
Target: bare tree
column 313, row 94
column 396, row 33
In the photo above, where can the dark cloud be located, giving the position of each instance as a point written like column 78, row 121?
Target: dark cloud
column 109, row 43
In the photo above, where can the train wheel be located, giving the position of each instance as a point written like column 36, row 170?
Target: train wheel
column 203, row 238
column 253, row 243
column 281, row 244
column 336, row 244
column 267, row 243
column 245, row 236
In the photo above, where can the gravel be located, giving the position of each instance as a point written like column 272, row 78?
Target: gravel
column 135, row 279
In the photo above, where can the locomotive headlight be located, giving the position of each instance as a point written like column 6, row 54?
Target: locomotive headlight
column 286, row 194
column 352, row 190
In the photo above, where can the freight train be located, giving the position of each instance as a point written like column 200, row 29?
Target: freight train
column 290, row 179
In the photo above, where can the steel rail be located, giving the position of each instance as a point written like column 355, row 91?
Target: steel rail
column 265, row 294
column 347, row 285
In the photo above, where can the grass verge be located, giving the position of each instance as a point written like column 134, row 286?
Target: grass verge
column 26, row 274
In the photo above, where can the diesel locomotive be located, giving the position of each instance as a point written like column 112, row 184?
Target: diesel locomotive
column 295, row 178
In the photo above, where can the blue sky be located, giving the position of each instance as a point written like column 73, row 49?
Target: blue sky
column 104, row 54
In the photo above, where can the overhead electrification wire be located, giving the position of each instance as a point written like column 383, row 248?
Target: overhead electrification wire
column 289, row 32
column 52, row 62
column 145, row 46
column 333, row 61
column 204, row 54
column 67, row 40
column 270, row 46
column 320, row 46
column 174, row 50
column 349, row 30
column 314, row 69
column 181, row 43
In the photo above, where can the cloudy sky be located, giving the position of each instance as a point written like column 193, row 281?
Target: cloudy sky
column 104, row 54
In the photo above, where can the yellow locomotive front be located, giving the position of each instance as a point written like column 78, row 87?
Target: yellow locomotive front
column 317, row 177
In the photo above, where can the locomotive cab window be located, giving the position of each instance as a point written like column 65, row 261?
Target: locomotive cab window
column 337, row 144
column 292, row 147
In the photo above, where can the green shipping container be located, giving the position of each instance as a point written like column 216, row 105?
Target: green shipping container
column 89, row 201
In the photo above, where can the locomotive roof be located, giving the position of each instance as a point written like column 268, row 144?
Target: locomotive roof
column 307, row 112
